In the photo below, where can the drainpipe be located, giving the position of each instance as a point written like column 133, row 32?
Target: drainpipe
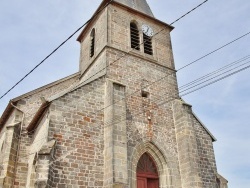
column 18, row 145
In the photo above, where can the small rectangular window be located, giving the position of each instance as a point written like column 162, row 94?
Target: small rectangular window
column 144, row 94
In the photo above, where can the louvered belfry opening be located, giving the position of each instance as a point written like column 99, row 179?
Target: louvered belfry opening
column 147, row 45
column 92, row 43
column 135, row 37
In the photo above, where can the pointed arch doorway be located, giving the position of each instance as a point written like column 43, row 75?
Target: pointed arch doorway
column 146, row 172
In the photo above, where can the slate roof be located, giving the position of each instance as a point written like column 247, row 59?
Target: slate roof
column 140, row 5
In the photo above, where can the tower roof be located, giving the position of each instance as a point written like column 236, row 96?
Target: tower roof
column 140, row 5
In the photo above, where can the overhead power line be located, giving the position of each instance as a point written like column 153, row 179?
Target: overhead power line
column 179, row 69
column 55, row 50
column 216, row 72
column 189, row 91
column 189, row 12
column 79, row 30
column 205, row 83
column 214, row 51
column 162, row 102
column 167, row 75
column 216, row 80
column 156, row 81
column 170, row 74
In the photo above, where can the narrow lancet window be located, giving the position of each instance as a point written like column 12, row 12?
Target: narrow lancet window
column 147, row 44
column 92, row 43
column 135, row 37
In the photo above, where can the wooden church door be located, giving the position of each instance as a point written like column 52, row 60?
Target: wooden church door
column 147, row 175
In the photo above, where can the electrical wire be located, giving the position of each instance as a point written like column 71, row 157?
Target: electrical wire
column 213, row 75
column 227, row 44
column 215, row 72
column 217, row 80
column 204, row 56
column 139, row 45
column 212, row 82
column 190, row 83
column 189, row 92
column 79, row 30
column 55, row 50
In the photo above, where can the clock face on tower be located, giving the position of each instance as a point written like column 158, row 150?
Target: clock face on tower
column 147, row 30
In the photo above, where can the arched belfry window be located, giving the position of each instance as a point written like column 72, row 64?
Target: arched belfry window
column 147, row 44
column 92, row 43
column 147, row 174
column 135, row 37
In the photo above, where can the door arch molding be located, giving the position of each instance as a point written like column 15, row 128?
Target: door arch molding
column 161, row 162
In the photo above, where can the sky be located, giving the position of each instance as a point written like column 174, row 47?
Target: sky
column 30, row 30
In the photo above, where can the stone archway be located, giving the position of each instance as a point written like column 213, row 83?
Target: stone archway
column 147, row 173
column 164, row 172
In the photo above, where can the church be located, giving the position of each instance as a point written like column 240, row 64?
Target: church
column 117, row 123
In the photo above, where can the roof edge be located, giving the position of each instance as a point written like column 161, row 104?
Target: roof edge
column 104, row 3
column 98, row 10
column 38, row 116
column 6, row 114
column 206, row 129
column 221, row 177
column 46, row 86
column 71, row 89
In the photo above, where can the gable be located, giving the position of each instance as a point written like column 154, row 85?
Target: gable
column 33, row 98
column 204, row 127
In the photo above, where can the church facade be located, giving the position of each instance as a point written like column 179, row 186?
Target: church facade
column 117, row 123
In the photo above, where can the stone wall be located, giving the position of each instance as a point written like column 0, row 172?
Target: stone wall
column 100, row 26
column 40, row 138
column 115, row 136
column 187, row 145
column 94, row 135
column 119, row 35
column 206, row 155
column 96, row 69
column 77, row 125
column 8, row 151
column 29, row 104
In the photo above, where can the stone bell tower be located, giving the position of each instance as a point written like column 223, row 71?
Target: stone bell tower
column 145, row 121
column 111, row 29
